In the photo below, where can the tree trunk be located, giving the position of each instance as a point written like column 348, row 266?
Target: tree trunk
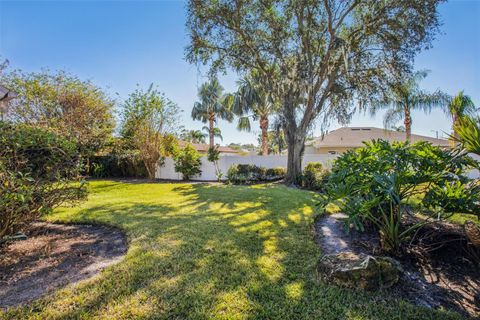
column 264, row 128
column 296, row 146
column 211, row 123
column 408, row 123
column 454, row 129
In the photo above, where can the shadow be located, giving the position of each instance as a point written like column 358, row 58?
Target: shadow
column 203, row 251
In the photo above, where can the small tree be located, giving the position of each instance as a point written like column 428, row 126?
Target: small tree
column 213, row 156
column 187, row 162
column 149, row 121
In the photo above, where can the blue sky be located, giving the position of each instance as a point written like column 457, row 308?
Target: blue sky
column 119, row 44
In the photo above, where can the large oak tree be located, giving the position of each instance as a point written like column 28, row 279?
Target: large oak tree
column 317, row 57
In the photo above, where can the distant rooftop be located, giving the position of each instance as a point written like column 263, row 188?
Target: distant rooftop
column 203, row 147
column 353, row 137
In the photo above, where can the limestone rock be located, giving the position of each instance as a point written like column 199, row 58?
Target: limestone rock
column 362, row 271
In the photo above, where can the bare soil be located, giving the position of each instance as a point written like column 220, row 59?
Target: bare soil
column 53, row 256
column 441, row 269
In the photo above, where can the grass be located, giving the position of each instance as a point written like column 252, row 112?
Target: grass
column 200, row 251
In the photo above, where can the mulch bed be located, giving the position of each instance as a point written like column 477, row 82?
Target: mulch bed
column 441, row 269
column 54, row 255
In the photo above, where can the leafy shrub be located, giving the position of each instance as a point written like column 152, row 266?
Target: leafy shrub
column 115, row 165
column 38, row 171
column 372, row 184
column 187, row 162
column 314, row 176
column 249, row 173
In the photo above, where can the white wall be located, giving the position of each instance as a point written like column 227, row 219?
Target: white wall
column 167, row 171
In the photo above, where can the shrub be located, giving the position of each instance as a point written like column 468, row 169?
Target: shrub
column 187, row 162
column 249, row 173
column 314, row 176
column 371, row 185
column 38, row 171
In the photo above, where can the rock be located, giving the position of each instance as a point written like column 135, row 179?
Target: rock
column 362, row 271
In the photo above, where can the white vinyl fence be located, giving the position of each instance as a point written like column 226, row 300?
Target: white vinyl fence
column 167, row 171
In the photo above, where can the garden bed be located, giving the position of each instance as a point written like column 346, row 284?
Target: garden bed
column 439, row 269
column 54, row 255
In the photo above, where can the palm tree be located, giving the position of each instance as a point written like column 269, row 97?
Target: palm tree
column 459, row 107
column 217, row 133
column 253, row 100
column 405, row 97
column 213, row 105
column 193, row 136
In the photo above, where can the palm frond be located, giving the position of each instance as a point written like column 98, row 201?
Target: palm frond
column 244, row 124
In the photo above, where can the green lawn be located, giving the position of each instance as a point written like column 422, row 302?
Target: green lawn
column 209, row 252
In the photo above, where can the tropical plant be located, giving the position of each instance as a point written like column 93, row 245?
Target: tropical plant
column 187, row 162
column 249, row 173
column 403, row 98
column 39, row 170
column 213, row 105
column 317, row 57
column 373, row 184
column 149, row 123
column 254, row 100
column 217, row 133
column 468, row 133
column 193, row 136
column 213, row 156
column 458, row 107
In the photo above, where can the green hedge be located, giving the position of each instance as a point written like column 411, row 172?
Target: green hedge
column 249, row 173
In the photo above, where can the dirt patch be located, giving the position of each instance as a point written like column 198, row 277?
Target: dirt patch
column 440, row 268
column 53, row 256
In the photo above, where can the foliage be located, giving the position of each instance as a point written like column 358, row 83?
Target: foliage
column 118, row 161
column 37, row 173
column 213, row 155
column 254, row 100
column 460, row 106
column 373, row 183
column 249, row 173
column 187, row 162
column 468, row 134
column 193, row 136
column 72, row 108
column 213, row 105
column 149, row 123
column 314, row 176
column 405, row 96
column 318, row 58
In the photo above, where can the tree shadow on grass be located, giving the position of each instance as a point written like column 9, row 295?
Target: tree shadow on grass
column 219, row 252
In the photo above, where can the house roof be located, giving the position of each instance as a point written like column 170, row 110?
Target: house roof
column 353, row 137
column 203, row 147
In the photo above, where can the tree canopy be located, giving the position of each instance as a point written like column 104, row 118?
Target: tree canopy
column 316, row 57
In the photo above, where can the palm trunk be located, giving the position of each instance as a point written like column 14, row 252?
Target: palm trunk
column 264, row 128
column 408, row 123
column 454, row 129
column 211, row 123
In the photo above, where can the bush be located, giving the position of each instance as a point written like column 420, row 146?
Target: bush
column 371, row 185
column 314, row 176
column 38, row 171
column 188, row 162
column 249, row 173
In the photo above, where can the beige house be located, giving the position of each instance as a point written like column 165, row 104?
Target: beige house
column 343, row 139
column 202, row 148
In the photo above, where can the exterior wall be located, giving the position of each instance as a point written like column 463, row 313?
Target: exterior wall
column 167, row 171
column 326, row 150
